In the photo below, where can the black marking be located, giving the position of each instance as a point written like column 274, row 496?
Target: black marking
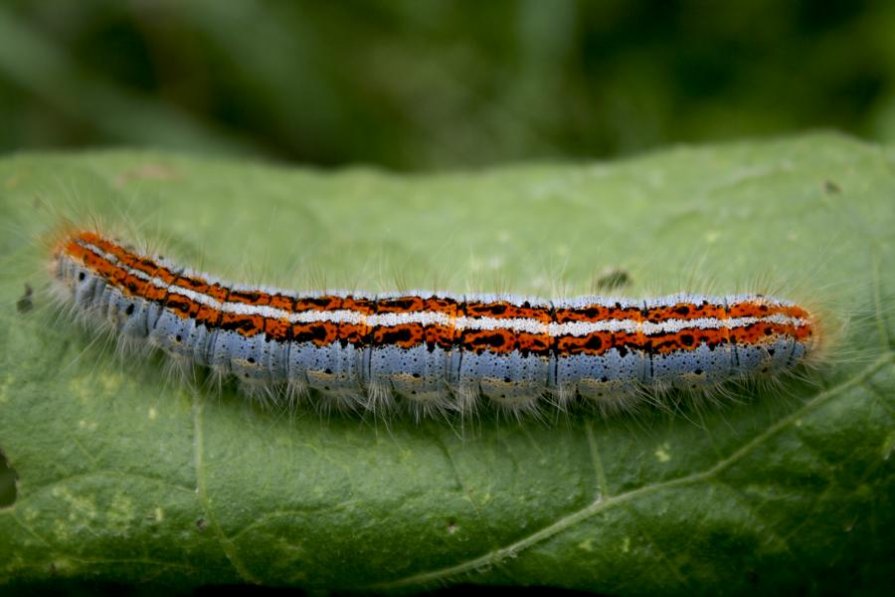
column 594, row 342
column 400, row 303
column 179, row 303
column 253, row 296
column 321, row 301
column 316, row 332
column 482, row 342
column 396, row 336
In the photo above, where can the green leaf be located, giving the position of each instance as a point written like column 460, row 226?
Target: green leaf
column 124, row 475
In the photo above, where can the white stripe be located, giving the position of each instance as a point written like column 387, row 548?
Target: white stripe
column 426, row 318
column 581, row 328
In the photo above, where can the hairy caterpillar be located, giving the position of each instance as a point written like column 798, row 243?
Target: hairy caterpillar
column 426, row 352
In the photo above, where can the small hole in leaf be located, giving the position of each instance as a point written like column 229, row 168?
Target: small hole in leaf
column 831, row 187
column 612, row 279
column 25, row 303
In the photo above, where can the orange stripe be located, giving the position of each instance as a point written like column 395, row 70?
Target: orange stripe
column 498, row 341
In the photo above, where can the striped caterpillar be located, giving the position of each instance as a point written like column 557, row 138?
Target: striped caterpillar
column 431, row 353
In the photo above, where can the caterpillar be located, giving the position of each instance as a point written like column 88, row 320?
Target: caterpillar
column 426, row 352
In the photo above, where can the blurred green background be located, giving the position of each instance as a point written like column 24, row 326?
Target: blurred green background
column 430, row 84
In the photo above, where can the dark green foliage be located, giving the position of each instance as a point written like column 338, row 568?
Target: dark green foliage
column 414, row 84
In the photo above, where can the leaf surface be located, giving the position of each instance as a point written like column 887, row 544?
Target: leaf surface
column 124, row 475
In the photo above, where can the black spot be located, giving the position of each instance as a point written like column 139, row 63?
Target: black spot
column 328, row 371
column 697, row 371
column 178, row 339
column 316, row 332
column 178, row 303
column 604, row 379
column 396, row 336
column 682, row 310
column 622, row 351
column 81, row 276
column 416, row 376
column 400, row 303
column 190, row 282
column 129, row 310
column 507, row 380
column 594, row 342
column 494, row 340
column 768, row 331
column 687, row 339
column 251, row 296
column 251, row 360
